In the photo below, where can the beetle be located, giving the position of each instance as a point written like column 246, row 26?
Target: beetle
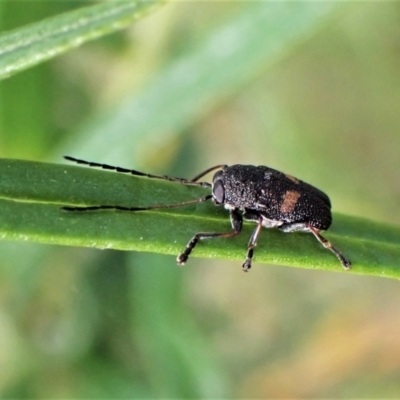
column 258, row 194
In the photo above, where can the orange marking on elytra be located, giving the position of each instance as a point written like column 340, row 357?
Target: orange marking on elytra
column 290, row 199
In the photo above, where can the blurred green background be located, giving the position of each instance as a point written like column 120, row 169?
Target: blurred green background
column 82, row 323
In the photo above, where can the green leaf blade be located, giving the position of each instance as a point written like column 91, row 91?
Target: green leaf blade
column 32, row 195
column 28, row 46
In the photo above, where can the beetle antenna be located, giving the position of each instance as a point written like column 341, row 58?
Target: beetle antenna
column 132, row 209
column 138, row 173
column 197, row 177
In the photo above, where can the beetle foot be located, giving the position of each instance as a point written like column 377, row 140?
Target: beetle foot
column 181, row 259
column 346, row 263
column 246, row 265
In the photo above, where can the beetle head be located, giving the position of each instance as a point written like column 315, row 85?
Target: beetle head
column 218, row 189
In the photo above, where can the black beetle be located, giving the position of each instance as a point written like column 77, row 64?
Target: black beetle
column 260, row 194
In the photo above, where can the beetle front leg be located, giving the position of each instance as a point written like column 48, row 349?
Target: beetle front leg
column 236, row 222
column 252, row 243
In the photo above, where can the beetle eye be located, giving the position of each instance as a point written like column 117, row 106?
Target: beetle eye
column 218, row 192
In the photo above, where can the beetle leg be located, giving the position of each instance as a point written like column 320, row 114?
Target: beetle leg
column 346, row 263
column 236, row 222
column 252, row 243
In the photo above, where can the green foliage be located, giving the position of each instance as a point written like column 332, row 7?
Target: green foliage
column 308, row 88
column 26, row 47
column 215, row 66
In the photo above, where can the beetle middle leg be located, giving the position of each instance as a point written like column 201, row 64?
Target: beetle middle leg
column 236, row 222
column 252, row 243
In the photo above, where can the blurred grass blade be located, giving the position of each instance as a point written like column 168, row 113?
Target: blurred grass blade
column 31, row 194
column 28, row 46
column 189, row 87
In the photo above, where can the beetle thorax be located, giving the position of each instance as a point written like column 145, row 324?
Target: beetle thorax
column 240, row 186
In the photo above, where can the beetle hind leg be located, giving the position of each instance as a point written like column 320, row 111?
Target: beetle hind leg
column 346, row 263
